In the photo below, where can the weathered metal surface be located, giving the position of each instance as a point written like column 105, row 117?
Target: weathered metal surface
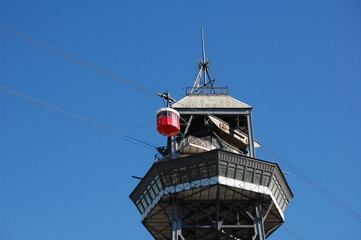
column 210, row 101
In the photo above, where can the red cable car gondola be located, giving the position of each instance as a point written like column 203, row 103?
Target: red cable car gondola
column 168, row 123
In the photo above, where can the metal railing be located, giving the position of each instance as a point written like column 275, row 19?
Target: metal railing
column 196, row 141
column 207, row 90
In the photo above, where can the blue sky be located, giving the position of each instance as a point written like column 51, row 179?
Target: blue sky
column 296, row 62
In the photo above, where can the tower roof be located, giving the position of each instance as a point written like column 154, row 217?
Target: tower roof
column 205, row 95
column 208, row 101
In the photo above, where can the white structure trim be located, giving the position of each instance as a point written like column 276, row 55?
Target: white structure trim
column 212, row 181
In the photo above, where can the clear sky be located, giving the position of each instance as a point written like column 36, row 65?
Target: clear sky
column 298, row 63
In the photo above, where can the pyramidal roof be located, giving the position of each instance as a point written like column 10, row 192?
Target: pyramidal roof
column 200, row 101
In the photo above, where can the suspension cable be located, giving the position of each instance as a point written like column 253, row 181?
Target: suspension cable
column 94, row 124
column 315, row 185
column 82, row 62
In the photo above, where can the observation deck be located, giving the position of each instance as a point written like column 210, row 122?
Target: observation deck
column 215, row 192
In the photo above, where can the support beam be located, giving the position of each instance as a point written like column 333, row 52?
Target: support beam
column 268, row 210
column 176, row 222
column 174, row 147
column 188, row 125
column 252, row 152
column 258, row 222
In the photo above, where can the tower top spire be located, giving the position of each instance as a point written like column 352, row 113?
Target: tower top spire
column 205, row 82
column 203, row 47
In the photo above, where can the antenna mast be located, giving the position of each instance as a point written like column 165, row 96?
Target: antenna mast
column 205, row 80
column 203, row 48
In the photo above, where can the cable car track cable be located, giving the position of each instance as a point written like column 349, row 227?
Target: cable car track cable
column 318, row 187
column 113, row 131
column 294, row 233
column 82, row 62
column 76, row 122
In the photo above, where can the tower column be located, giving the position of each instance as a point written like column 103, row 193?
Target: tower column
column 250, row 135
column 173, row 147
column 176, row 222
column 258, row 222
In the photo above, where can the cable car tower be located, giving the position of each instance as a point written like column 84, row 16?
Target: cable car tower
column 207, row 183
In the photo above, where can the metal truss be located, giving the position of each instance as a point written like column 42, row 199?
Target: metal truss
column 231, row 220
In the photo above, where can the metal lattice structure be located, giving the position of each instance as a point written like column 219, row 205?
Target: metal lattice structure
column 207, row 183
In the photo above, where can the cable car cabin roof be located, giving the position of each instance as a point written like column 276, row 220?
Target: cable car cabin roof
column 210, row 101
column 167, row 109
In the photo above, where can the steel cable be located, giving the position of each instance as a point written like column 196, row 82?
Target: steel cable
column 94, row 124
column 319, row 188
column 82, row 62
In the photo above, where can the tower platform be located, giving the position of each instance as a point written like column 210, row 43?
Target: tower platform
column 212, row 195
